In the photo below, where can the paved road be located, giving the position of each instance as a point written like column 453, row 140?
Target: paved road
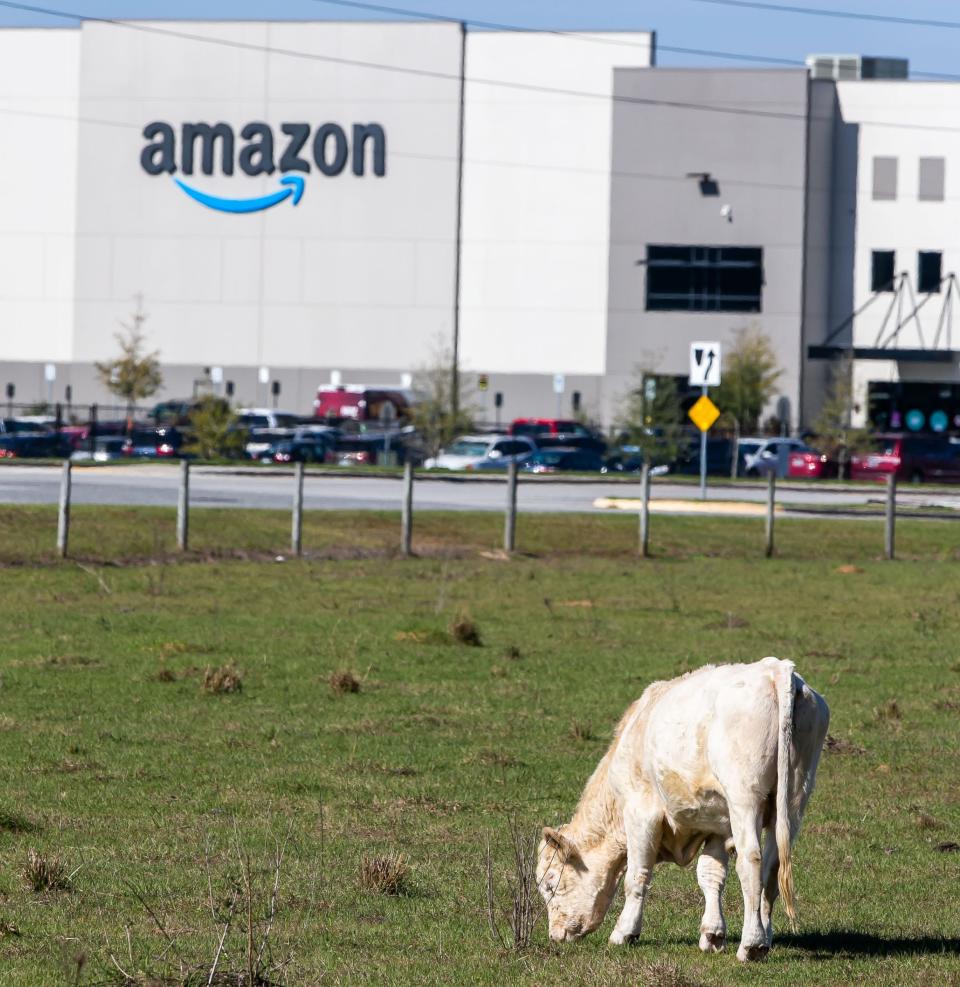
column 213, row 487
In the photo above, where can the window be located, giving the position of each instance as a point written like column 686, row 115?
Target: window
column 884, row 178
column 928, row 271
column 882, row 271
column 931, row 180
column 704, row 279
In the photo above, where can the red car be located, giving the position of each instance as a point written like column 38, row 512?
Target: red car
column 534, row 427
column 910, row 457
column 810, row 464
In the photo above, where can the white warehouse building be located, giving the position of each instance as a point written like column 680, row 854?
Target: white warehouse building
column 342, row 200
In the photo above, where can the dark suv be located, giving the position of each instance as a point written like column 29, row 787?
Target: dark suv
column 910, row 457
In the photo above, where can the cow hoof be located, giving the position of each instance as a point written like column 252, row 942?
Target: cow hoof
column 618, row 938
column 752, row 954
column 712, row 942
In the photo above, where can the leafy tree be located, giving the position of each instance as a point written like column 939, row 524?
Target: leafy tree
column 652, row 417
column 135, row 374
column 433, row 414
column 835, row 435
column 750, row 374
column 213, row 430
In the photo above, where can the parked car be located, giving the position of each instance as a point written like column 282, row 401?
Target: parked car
column 537, row 427
column 178, row 412
column 362, row 403
column 483, row 452
column 562, row 458
column 30, row 445
column 719, row 458
column 911, row 457
column 297, row 449
column 259, row 440
column 154, row 442
column 761, row 456
column 571, row 440
column 99, row 450
column 809, row 464
column 252, row 418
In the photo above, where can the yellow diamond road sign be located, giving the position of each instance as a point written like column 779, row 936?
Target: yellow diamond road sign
column 704, row 413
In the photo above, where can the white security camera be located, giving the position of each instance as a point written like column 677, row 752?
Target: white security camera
column 727, row 213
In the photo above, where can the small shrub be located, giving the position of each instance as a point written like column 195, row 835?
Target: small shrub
column 384, row 873
column 581, row 731
column 464, row 631
column 343, row 682
column 513, row 653
column 224, row 679
column 45, row 873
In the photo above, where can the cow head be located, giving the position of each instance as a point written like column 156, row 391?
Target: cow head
column 577, row 884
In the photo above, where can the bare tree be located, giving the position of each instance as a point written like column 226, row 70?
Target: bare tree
column 135, row 374
column 433, row 414
column 836, row 436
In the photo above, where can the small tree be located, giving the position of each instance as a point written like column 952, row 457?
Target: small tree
column 835, row 435
column 750, row 374
column 432, row 413
column 652, row 417
column 135, row 374
column 213, row 430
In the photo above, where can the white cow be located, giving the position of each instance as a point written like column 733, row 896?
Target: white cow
column 706, row 760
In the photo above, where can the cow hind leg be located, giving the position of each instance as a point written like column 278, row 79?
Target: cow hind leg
column 712, row 876
column 746, row 825
column 770, row 869
column 643, row 840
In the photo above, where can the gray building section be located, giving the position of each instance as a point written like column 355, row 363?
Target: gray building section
column 710, row 160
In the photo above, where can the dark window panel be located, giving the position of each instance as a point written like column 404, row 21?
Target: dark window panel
column 704, row 279
column 929, row 271
column 881, row 278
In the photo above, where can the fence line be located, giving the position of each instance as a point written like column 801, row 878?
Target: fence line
column 406, row 511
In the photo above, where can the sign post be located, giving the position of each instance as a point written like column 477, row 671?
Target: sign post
column 559, row 386
column 704, row 373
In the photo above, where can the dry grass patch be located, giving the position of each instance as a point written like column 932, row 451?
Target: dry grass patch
column 166, row 675
column 837, row 745
column 925, row 821
column 225, row 679
column 581, row 731
column 343, row 682
column 465, row 631
column 888, row 712
column 384, row 873
column 43, row 873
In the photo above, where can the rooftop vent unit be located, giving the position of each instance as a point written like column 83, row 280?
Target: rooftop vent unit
column 844, row 67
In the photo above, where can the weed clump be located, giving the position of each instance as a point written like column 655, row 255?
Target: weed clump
column 42, row 873
column 889, row 711
column 925, row 821
column 384, row 873
column 166, row 675
column 343, row 682
column 221, row 680
column 513, row 653
column 581, row 731
column 465, row 631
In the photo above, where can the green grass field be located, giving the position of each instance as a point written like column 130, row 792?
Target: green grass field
column 169, row 800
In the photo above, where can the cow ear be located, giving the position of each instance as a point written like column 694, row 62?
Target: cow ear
column 560, row 842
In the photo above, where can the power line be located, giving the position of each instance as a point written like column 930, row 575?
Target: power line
column 853, row 15
column 455, row 77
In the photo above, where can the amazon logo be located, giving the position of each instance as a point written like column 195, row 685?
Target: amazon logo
column 209, row 148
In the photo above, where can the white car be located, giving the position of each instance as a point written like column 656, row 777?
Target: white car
column 470, row 452
column 266, row 418
column 761, row 456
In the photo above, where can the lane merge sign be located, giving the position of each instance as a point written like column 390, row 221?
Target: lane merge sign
column 705, row 364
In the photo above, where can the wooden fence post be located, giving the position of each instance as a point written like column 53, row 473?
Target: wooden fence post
column 771, row 505
column 891, row 518
column 406, row 510
column 510, row 523
column 296, row 533
column 183, row 506
column 63, row 514
column 645, row 511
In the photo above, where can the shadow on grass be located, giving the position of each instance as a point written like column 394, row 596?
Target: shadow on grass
column 847, row 942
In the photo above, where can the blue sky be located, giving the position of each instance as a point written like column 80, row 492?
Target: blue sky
column 678, row 23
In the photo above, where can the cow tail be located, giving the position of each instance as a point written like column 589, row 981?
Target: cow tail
column 785, row 694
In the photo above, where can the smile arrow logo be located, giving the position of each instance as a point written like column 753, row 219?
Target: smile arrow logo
column 294, row 189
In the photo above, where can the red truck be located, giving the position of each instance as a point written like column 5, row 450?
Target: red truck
column 362, row 403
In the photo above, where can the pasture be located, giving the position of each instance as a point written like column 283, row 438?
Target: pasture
column 166, row 726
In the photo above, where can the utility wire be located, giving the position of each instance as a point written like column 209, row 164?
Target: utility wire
column 153, row 29
column 853, row 15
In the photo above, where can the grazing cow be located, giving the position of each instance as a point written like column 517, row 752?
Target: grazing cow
column 708, row 760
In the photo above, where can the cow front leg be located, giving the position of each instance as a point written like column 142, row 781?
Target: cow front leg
column 769, row 876
column 643, row 840
column 746, row 838
column 712, row 876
